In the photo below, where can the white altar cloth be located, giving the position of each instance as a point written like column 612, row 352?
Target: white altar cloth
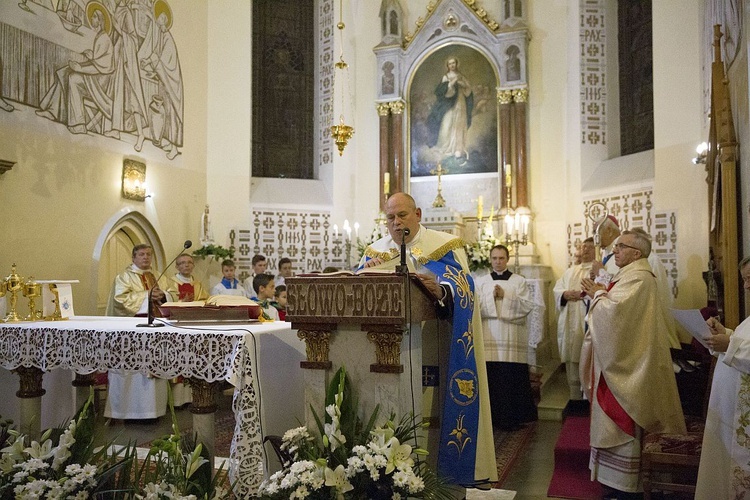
column 211, row 352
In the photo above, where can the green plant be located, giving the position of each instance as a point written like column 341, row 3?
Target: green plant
column 217, row 251
column 353, row 459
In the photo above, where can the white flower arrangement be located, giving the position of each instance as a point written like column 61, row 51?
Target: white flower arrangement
column 351, row 460
column 479, row 251
column 65, row 464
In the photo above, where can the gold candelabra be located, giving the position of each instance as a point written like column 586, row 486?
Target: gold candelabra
column 517, row 222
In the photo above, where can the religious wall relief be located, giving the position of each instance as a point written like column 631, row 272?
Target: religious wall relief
column 107, row 68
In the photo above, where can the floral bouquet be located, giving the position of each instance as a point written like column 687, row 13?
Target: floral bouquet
column 479, row 251
column 66, row 463
column 351, row 459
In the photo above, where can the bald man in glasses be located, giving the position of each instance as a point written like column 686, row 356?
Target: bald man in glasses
column 626, row 368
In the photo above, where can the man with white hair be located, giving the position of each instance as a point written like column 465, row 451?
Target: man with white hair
column 626, row 368
column 609, row 232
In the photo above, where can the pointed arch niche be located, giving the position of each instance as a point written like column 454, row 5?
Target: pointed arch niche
column 454, row 46
column 113, row 251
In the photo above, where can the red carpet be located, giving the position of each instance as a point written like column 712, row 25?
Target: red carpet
column 571, row 478
column 508, row 447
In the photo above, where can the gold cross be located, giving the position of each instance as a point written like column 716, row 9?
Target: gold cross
column 439, row 171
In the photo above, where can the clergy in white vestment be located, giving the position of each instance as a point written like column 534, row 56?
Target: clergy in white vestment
column 626, row 367
column 135, row 396
column 609, row 231
column 506, row 302
column 724, row 470
column 572, row 306
column 435, row 253
column 183, row 287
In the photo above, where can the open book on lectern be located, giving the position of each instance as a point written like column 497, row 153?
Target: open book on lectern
column 346, row 272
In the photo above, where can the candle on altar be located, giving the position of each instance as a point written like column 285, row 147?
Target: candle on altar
column 507, row 175
column 335, row 231
column 509, row 225
column 387, row 183
column 480, row 207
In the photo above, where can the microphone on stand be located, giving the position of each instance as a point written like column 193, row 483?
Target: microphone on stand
column 150, row 323
column 402, row 268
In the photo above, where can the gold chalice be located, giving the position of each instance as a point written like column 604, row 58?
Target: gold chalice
column 32, row 290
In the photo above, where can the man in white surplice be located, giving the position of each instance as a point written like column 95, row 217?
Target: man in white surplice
column 725, row 457
column 506, row 301
column 135, row 396
column 572, row 306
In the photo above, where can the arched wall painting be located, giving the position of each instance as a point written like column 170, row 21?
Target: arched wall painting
column 108, row 68
column 452, row 113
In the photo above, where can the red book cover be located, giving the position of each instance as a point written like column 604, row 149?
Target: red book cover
column 186, row 291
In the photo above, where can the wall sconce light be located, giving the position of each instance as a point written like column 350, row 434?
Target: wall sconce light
column 134, row 180
column 702, row 151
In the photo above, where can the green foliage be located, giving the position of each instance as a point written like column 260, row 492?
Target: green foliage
column 216, row 251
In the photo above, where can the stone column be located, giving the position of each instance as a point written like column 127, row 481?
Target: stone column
column 504, row 99
column 83, row 385
column 397, row 145
column 385, row 163
column 520, row 98
column 30, row 393
column 203, row 409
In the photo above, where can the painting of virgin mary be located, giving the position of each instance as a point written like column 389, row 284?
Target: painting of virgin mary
column 453, row 115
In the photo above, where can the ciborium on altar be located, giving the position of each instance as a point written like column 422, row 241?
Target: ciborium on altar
column 13, row 283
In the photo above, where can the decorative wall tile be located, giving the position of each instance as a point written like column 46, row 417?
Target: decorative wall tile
column 325, row 90
column 306, row 237
column 633, row 209
column 592, row 35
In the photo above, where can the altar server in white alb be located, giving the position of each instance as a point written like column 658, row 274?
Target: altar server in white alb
column 505, row 302
column 572, row 306
column 135, row 396
column 725, row 457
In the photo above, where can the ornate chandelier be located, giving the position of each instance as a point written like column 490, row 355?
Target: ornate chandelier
column 342, row 132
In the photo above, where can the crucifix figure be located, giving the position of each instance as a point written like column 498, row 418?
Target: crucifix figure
column 439, row 171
